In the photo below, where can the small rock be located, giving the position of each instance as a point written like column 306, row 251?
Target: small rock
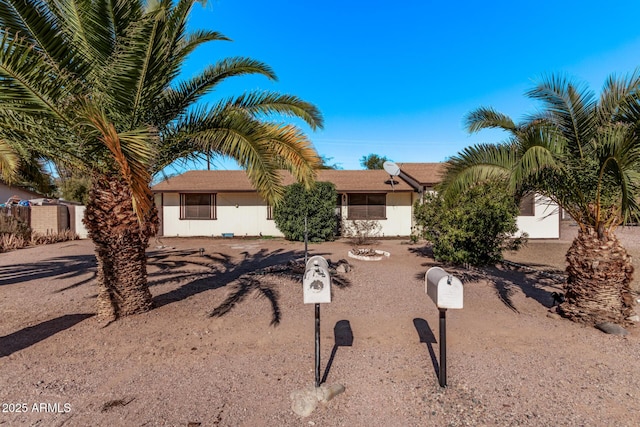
column 304, row 401
column 612, row 328
column 553, row 315
column 341, row 268
column 325, row 392
column 634, row 318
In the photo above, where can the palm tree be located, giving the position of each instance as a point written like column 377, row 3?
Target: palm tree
column 584, row 154
column 92, row 86
column 9, row 162
column 20, row 166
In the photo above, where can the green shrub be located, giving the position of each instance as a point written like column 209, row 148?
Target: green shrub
column 319, row 206
column 474, row 228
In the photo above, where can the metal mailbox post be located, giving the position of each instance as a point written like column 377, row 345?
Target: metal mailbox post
column 316, row 285
column 446, row 291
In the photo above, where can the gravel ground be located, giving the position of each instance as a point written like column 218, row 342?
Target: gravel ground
column 508, row 362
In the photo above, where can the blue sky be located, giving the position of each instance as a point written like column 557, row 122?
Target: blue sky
column 396, row 78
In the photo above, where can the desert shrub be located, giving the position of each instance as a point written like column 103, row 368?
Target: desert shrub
column 317, row 204
column 12, row 223
column 361, row 231
column 11, row 241
column 473, row 228
column 49, row 238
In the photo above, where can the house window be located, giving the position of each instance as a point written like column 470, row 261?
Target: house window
column 269, row 212
column 367, row 206
column 197, row 206
column 528, row 205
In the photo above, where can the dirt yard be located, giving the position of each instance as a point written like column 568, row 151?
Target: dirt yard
column 508, row 363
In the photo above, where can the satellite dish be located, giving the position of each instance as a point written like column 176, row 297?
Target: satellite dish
column 391, row 168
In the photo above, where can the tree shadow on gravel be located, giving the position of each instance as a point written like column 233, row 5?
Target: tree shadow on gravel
column 31, row 335
column 200, row 272
column 506, row 279
column 55, row 268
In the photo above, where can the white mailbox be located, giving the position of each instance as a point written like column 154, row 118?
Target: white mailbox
column 443, row 288
column 316, row 283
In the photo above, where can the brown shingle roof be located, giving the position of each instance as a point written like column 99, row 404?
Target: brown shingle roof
column 362, row 180
column 426, row 174
column 237, row 181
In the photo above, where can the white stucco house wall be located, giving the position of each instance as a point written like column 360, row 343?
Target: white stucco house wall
column 217, row 203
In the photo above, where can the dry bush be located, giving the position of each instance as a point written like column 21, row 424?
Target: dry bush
column 12, row 241
column 361, row 231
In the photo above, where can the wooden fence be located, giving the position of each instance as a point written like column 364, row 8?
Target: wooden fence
column 20, row 213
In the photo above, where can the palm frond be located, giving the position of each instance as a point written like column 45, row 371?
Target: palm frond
column 9, row 162
column 620, row 161
column 131, row 151
column 570, row 107
column 175, row 102
column 29, row 84
column 266, row 103
column 476, row 164
column 488, row 118
column 37, row 22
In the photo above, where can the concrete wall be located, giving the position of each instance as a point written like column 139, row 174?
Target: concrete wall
column 545, row 224
column 49, row 219
column 76, row 213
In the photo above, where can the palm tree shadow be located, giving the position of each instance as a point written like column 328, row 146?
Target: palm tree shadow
column 31, row 335
column 427, row 337
column 198, row 272
column 505, row 280
column 59, row 268
column 242, row 288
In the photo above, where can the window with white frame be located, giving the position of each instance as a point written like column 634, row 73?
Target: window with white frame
column 367, row 205
column 197, row 206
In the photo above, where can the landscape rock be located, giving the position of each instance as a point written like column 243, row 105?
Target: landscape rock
column 304, row 401
column 612, row 328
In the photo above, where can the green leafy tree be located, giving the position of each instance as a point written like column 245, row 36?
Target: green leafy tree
column 583, row 152
column 474, row 226
column 75, row 188
column 326, row 163
column 373, row 161
column 317, row 204
column 93, row 87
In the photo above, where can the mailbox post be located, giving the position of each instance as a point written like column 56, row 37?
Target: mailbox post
column 446, row 291
column 316, row 285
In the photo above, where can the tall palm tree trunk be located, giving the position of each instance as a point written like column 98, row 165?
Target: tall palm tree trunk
column 599, row 277
column 120, row 242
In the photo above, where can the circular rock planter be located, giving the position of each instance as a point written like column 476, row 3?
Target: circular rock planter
column 368, row 254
